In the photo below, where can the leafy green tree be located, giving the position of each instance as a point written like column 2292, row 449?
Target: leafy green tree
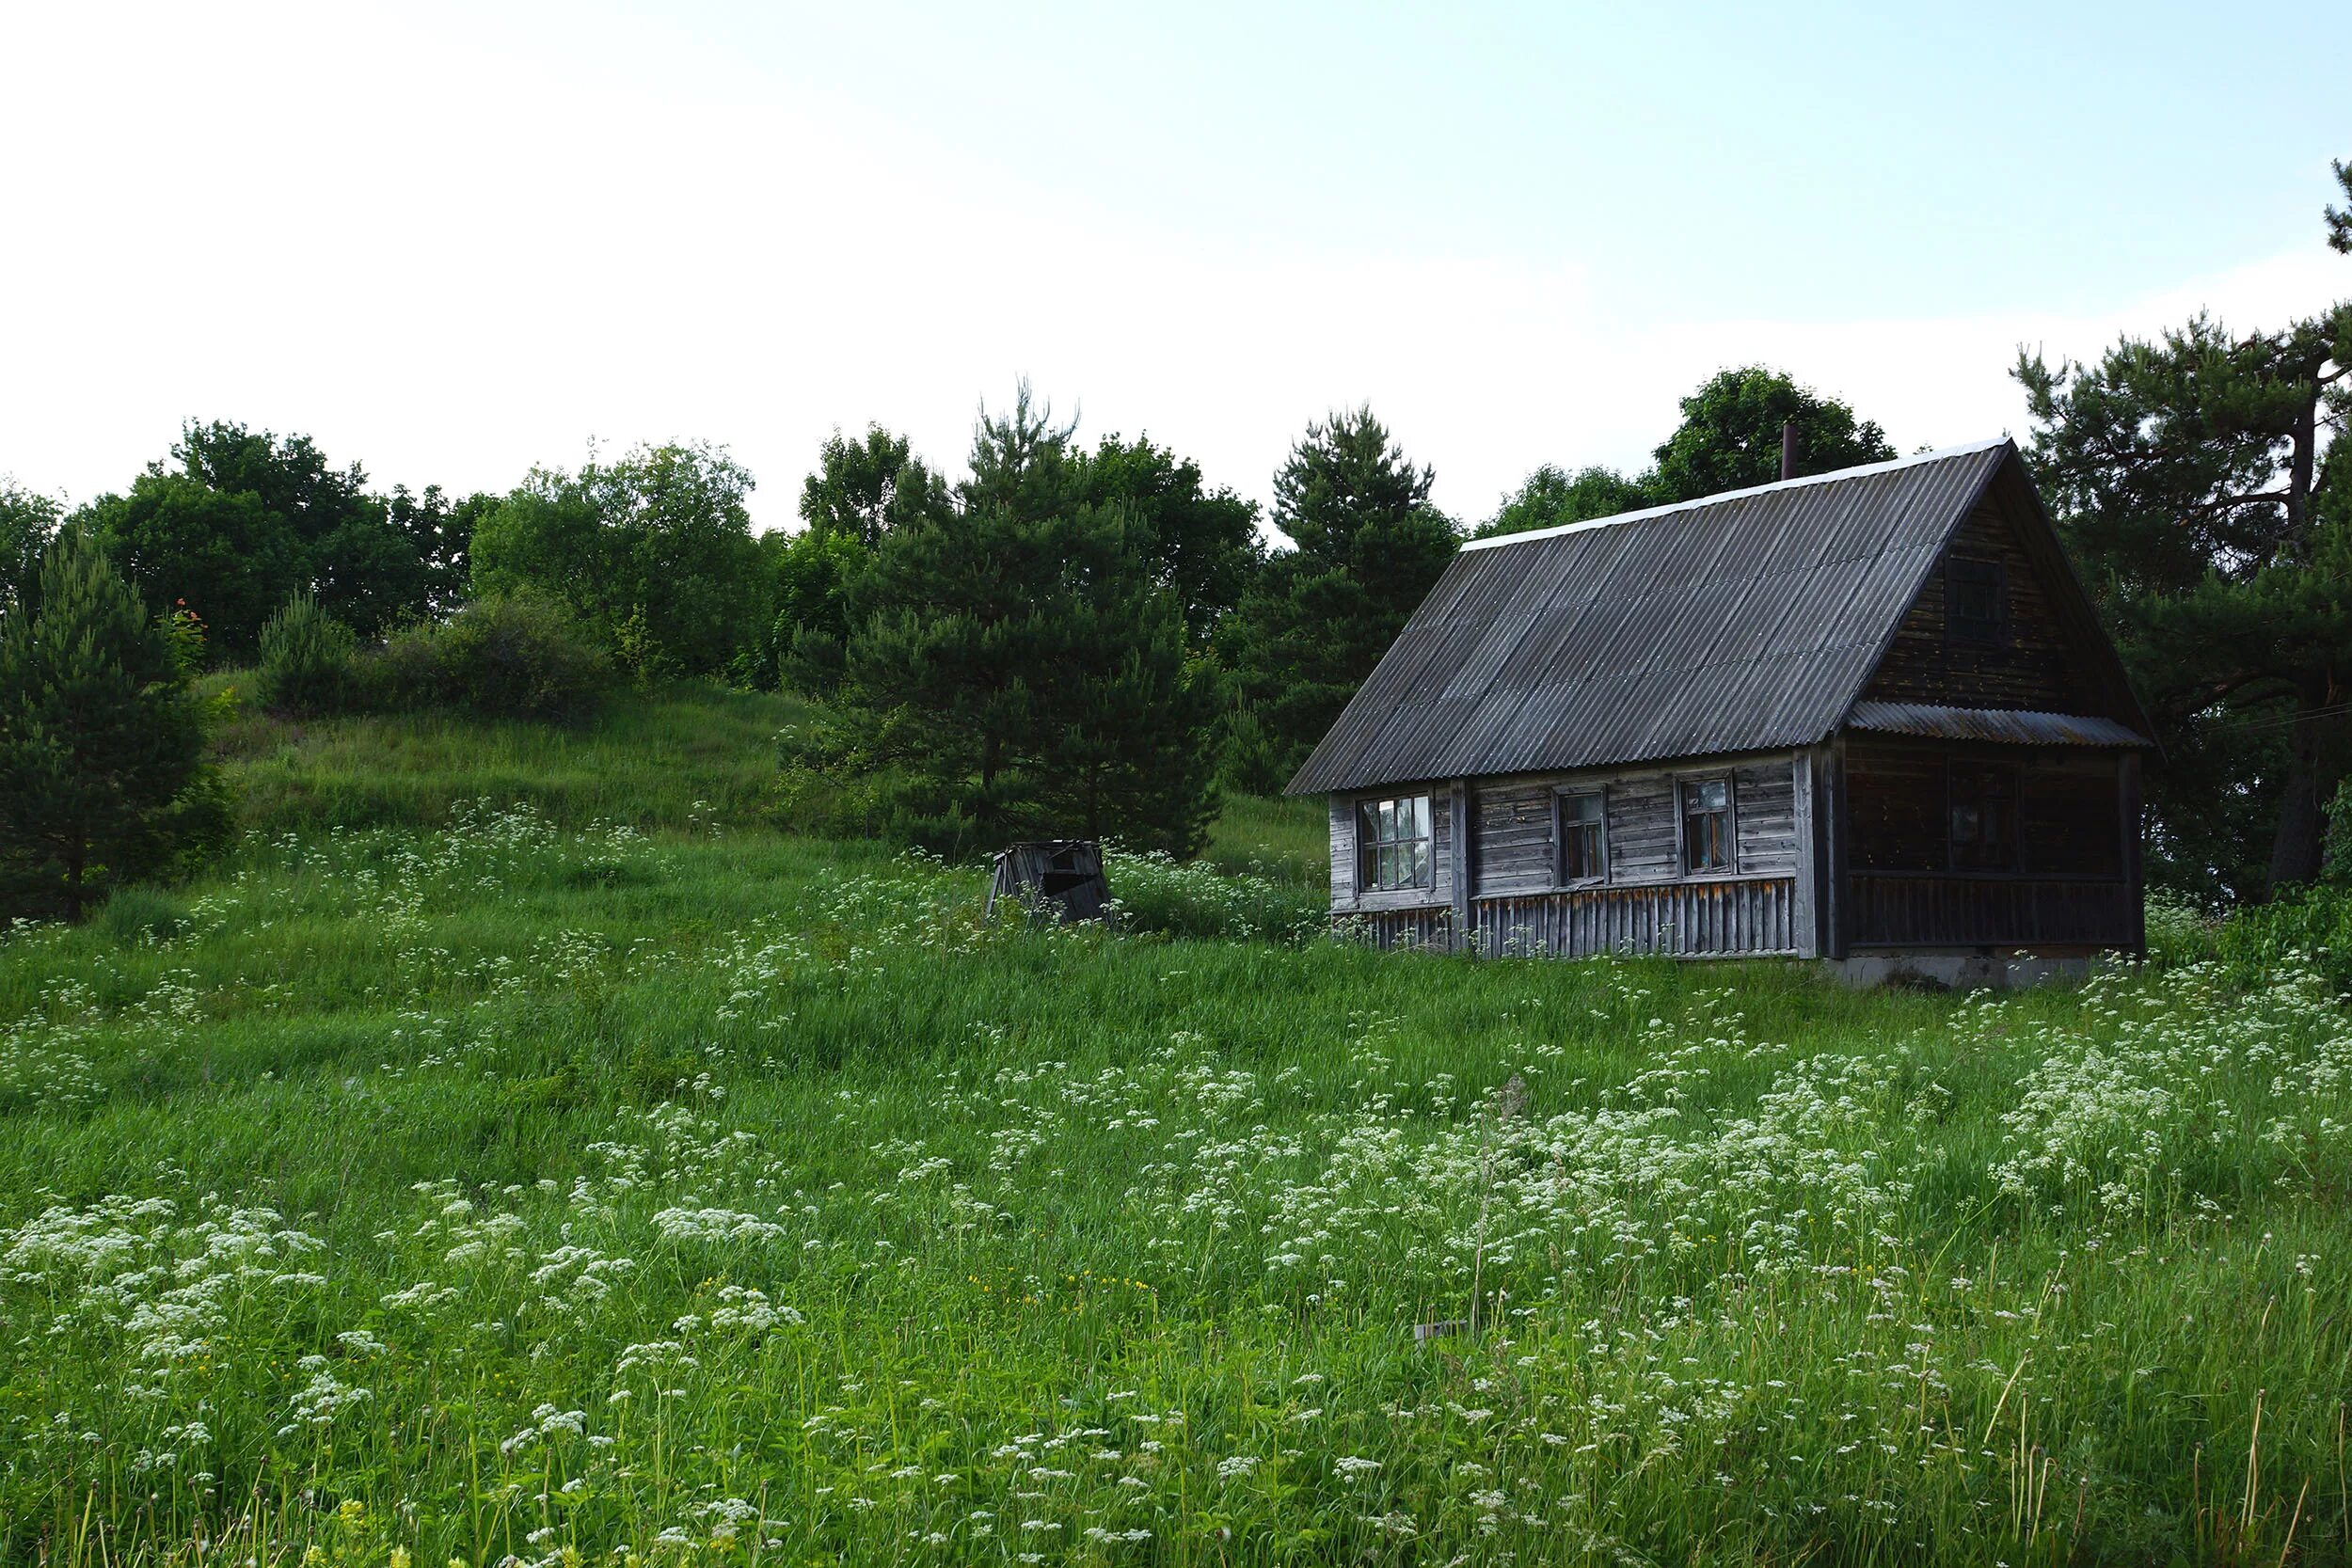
column 441, row 531
column 2196, row 481
column 1368, row 548
column 222, row 555
column 28, row 522
column 1016, row 669
column 654, row 552
column 1203, row 542
column 1552, row 496
column 102, row 759
column 238, row 520
column 862, row 489
column 1729, row 438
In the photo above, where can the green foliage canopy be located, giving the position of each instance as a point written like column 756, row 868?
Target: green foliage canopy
column 28, row 522
column 1318, row 617
column 2189, row 477
column 1552, row 496
column 101, row 760
column 1017, row 668
column 238, row 521
column 654, row 552
column 1729, row 438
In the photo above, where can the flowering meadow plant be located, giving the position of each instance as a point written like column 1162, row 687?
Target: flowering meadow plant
column 516, row 1194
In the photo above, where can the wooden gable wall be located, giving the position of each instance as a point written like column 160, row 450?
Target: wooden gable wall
column 2037, row 664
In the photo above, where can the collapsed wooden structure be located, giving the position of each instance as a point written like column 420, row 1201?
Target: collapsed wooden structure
column 1868, row 716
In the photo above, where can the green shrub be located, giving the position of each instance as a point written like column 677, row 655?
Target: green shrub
column 309, row 662
column 2304, row 927
column 518, row 657
column 2178, row 931
column 1156, row 892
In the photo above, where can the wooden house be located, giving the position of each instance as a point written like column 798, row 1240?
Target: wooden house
column 1866, row 717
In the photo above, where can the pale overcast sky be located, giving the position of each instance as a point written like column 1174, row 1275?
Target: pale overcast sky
column 452, row 241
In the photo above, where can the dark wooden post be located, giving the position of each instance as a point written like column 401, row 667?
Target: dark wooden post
column 1463, row 868
column 2127, row 822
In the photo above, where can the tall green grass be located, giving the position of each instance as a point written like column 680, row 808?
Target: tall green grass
column 613, row 1176
column 687, row 757
column 516, row 1189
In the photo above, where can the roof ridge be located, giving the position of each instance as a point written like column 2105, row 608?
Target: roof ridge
column 1648, row 512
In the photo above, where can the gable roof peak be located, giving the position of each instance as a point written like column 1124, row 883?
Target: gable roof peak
column 1859, row 470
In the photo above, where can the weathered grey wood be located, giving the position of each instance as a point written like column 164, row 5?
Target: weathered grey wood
column 1764, row 818
column 1724, row 918
column 1342, row 852
column 1464, row 874
column 1835, row 891
column 1803, row 912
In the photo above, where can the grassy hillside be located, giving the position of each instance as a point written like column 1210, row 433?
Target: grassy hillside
column 513, row 1184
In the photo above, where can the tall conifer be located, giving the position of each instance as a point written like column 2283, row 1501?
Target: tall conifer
column 102, row 777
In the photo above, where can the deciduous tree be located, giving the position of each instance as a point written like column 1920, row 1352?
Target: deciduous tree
column 1729, row 438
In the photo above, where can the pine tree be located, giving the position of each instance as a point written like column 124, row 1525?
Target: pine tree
column 1318, row 617
column 102, row 773
column 1016, row 670
column 2204, row 482
column 2193, row 481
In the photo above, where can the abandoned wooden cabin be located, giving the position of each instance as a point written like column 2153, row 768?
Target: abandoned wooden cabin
column 1866, row 717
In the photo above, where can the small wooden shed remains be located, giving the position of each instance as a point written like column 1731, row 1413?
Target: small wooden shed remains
column 1057, row 877
column 1869, row 717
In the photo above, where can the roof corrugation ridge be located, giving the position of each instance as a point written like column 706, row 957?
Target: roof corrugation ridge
column 1722, row 496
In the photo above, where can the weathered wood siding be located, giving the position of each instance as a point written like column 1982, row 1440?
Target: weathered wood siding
column 1643, row 905
column 2031, row 667
column 1513, row 825
column 2075, row 881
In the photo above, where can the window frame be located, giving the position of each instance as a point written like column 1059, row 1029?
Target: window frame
column 1561, row 796
column 1369, row 843
column 1730, row 866
column 2013, row 773
column 1995, row 633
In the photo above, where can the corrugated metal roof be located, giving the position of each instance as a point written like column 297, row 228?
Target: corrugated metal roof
column 1735, row 623
column 2020, row 726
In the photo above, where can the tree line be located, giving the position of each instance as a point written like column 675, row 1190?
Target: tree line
column 1092, row 639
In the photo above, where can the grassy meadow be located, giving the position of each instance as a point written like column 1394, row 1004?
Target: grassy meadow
column 525, row 1148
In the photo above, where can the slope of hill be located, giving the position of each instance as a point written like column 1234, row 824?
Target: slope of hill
column 609, row 1174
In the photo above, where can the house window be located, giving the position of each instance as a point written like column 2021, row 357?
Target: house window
column 1972, row 601
column 1983, row 800
column 1392, row 839
column 1707, row 824
column 1583, row 837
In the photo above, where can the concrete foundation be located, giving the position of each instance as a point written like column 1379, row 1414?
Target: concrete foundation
column 1961, row 969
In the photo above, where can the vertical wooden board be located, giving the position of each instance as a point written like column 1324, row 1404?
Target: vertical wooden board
column 2128, row 823
column 1806, row 940
column 1463, row 870
column 1342, row 852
